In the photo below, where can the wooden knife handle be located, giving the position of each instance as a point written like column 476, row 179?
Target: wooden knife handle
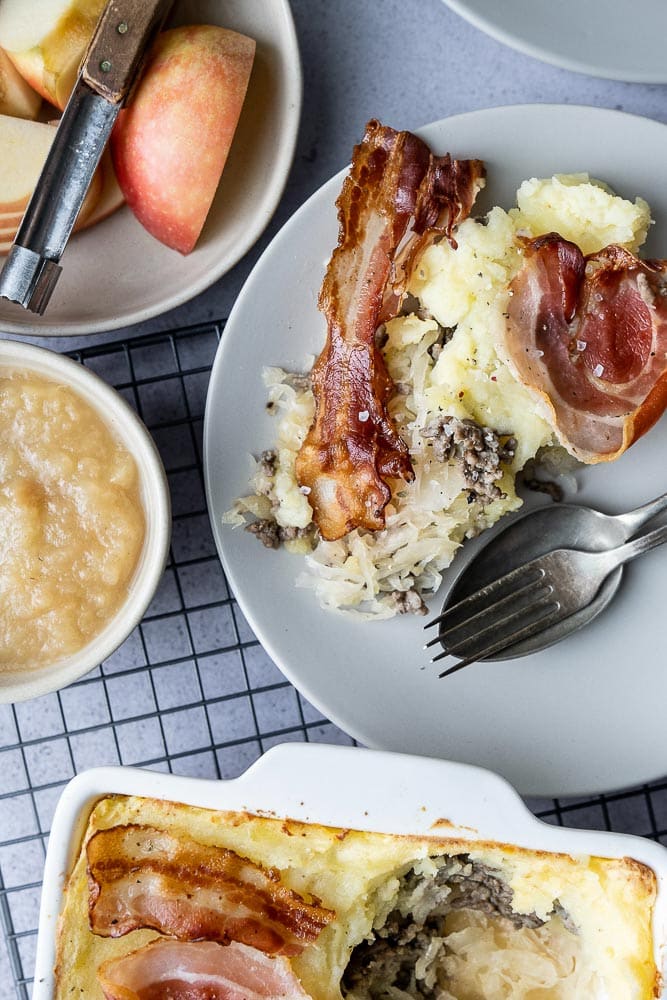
column 122, row 38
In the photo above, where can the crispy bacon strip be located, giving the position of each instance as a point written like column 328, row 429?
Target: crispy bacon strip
column 590, row 335
column 199, row 970
column 353, row 442
column 140, row 876
column 444, row 199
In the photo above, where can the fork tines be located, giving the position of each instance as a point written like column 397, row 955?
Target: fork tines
column 505, row 611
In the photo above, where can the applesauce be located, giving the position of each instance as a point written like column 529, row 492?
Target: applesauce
column 71, row 521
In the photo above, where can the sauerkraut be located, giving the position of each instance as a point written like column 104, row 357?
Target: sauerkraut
column 449, row 931
column 442, row 354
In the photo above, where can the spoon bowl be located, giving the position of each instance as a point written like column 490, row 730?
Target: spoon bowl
column 533, row 534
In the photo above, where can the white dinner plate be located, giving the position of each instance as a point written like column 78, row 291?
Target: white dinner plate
column 587, row 714
column 609, row 38
column 115, row 273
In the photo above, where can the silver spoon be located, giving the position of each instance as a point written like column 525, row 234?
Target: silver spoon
column 539, row 531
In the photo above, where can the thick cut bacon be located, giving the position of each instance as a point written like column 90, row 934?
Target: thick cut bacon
column 143, row 877
column 590, row 335
column 353, row 444
column 202, row 970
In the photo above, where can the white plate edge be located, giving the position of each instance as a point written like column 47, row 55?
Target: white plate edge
column 334, row 183
column 512, row 41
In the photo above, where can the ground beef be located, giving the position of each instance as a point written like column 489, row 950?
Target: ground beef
column 409, row 602
column 381, row 336
column 413, row 935
column 267, row 530
column 477, row 888
column 410, row 304
column 272, row 535
column 413, row 306
column 265, row 472
column 477, row 450
column 445, row 334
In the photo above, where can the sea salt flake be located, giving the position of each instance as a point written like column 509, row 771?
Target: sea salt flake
column 598, row 371
column 363, row 416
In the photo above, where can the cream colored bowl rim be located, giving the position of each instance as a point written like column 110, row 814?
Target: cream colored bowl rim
column 121, row 418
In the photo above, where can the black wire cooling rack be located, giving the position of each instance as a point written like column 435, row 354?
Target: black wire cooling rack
column 191, row 690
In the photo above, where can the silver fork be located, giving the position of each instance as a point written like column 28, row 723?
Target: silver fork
column 539, row 594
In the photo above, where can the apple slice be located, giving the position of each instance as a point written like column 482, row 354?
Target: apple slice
column 110, row 198
column 96, row 206
column 25, row 145
column 17, row 98
column 170, row 145
column 46, row 39
column 11, row 220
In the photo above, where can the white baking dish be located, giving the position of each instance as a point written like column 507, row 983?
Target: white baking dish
column 338, row 786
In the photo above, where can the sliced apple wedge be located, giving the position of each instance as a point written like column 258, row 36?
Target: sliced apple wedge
column 45, row 40
column 170, row 145
column 10, row 221
column 96, row 206
column 17, row 98
column 110, row 198
column 25, row 145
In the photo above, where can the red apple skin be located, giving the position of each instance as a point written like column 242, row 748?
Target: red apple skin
column 170, row 145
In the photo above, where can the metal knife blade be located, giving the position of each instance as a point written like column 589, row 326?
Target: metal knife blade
column 109, row 70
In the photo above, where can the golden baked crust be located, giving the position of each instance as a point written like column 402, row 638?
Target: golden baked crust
column 357, row 874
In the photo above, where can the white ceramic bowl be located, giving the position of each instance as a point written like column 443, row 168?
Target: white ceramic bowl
column 17, row 685
column 115, row 273
column 340, row 786
column 609, row 39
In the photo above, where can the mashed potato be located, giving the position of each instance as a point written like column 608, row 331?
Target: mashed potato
column 443, row 358
column 416, row 917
